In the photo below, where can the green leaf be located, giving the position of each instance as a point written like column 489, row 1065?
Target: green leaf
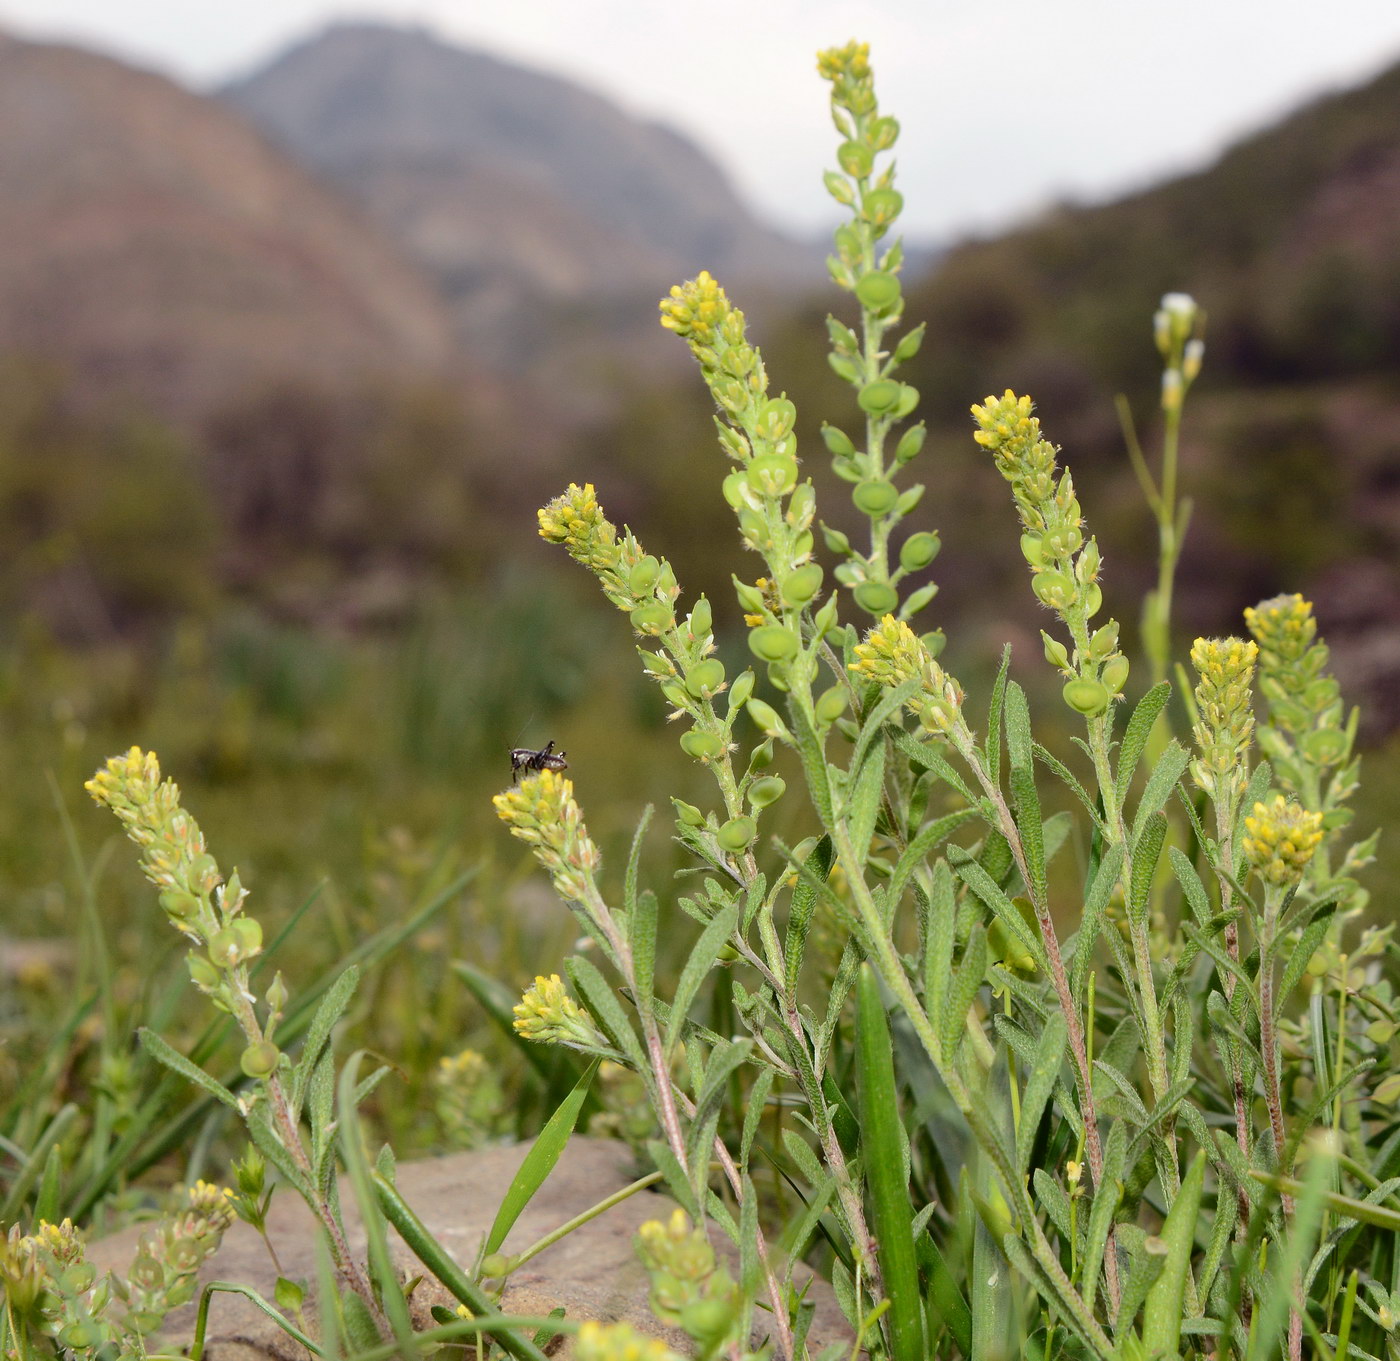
column 1146, row 850
column 882, row 1142
column 1170, row 767
column 944, row 1303
column 539, row 1161
column 982, row 884
column 1100, row 891
column 927, row 757
column 331, row 1009
column 809, row 748
column 164, row 1053
column 939, row 941
column 966, row 982
column 1040, row 1083
column 641, row 934
column 722, row 1063
column 1104, row 1206
column 1019, row 745
column 702, row 958
column 804, row 903
column 1192, row 888
column 891, row 702
column 994, row 719
column 1066, row 777
column 1029, row 825
column 1136, row 735
column 1166, row 1301
column 927, row 840
column 634, row 857
column 863, row 805
column 605, row 1009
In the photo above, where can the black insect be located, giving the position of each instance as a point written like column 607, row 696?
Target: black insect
column 525, row 759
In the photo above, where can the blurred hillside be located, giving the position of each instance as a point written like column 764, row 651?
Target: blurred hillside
column 550, row 219
column 1291, row 242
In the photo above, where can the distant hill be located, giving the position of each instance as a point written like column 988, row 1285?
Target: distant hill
column 156, row 245
column 549, row 217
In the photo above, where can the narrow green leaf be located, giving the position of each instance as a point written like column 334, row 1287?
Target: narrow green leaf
column 863, row 805
column 1040, row 1083
column 1146, row 851
column 1066, row 777
column 605, row 1009
column 966, row 982
column 804, row 903
column 1104, row 1206
column 944, row 1303
column 982, row 884
column 927, row 841
column 634, row 859
column 1170, row 767
column 1191, row 886
column 1019, row 745
column 1136, row 735
column 891, row 702
column 330, row 1010
column 702, row 958
column 939, row 941
column 809, row 749
column 1091, row 920
column 48, row 1200
column 641, row 933
column 164, row 1053
column 927, row 756
column 1028, row 823
column 1166, row 1301
column 539, row 1161
column 994, row 720
column 882, row 1141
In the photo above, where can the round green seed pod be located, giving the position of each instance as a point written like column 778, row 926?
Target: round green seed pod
column 772, row 474
column 1115, row 674
column 831, row 704
column 773, row 643
column 1087, row 697
column 737, row 834
column 762, row 755
column 880, row 207
column 652, row 619
column 740, row 691
column 705, row 677
column 1055, row 652
column 919, row 550
column 688, row 813
column 703, row 746
column 875, row 496
column 856, row 159
column 767, row 790
column 702, row 618
column 1093, row 599
column 934, row 641
column 734, row 486
column 837, row 441
column 766, row 718
column 223, row 949
column 878, row 290
column 1054, row 589
column 1324, row 746
column 1032, row 549
column 777, row 676
column 836, row 542
column 880, row 397
column 803, row 584
column 260, row 1060
column 875, row 597
column 643, row 575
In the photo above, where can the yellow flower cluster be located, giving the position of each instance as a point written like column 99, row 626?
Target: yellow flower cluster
column 893, row 653
column 1284, row 626
column 576, row 520
column 687, row 1280
column 1006, row 427
column 851, row 61
column 696, row 309
column 541, row 810
column 548, row 1014
column 1281, row 839
column 1223, row 701
column 618, row 1342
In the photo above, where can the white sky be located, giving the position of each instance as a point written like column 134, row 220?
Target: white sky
column 1007, row 105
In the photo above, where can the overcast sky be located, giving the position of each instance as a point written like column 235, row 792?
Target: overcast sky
column 1007, row 105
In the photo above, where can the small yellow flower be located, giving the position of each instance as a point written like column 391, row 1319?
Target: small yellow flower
column 1223, row 701
column 696, row 309
column 618, row 1342
column 892, row 654
column 1284, row 627
column 576, row 520
column 1281, row 839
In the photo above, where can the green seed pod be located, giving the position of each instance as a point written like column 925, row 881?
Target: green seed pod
column 908, row 400
column 880, row 207
column 880, row 397
column 910, row 343
column 206, row 977
column 935, row 641
column 772, row 474
column 1063, row 542
column 643, row 575
column 802, row 505
column 777, row 418
column 1324, row 746
column 777, row 676
column 656, row 664
column 875, row 496
column 1115, row 674
column 753, row 527
column 1104, row 643
column 223, row 949
column 735, row 487
column 676, row 694
column 856, row 159
column 740, row 691
column 910, row 443
column 883, row 132
column 652, row 619
column 260, row 1060
column 705, row 677
column 825, row 618
column 178, row 905
column 703, row 746
column 1033, row 549
column 1093, row 599
column 762, row 755
column 836, row 542
column 766, row 719
column 737, row 834
column 876, row 597
column 749, row 597
column 1087, row 697
column 919, row 550
column 918, row 600
column 1055, row 652
column 879, row 291
column 831, row 704
column 248, row 933
column 909, row 499
column 767, row 790
column 1054, row 589
column 688, row 813
column 839, row 187
column 803, row 584
column 837, row 442
column 773, row 643
column 701, row 619
column 802, row 545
